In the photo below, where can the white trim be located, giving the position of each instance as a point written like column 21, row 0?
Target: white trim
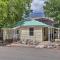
column 16, row 27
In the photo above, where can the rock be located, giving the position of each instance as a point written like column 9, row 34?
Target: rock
column 40, row 46
column 13, row 45
column 8, row 45
column 50, row 46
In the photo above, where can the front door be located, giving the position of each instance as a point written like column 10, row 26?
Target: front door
column 45, row 34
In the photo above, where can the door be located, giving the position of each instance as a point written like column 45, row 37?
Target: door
column 45, row 33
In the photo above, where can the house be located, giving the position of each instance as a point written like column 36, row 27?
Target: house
column 30, row 30
column 6, row 34
column 33, row 30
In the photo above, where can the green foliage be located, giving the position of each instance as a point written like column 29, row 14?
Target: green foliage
column 12, row 11
column 52, row 9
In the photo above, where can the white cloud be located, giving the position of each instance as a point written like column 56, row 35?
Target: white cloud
column 37, row 5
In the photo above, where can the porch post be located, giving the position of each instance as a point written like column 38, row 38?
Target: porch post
column 53, row 34
column 13, row 35
column 49, row 34
column 58, row 34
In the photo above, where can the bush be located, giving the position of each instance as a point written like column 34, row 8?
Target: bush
column 8, row 41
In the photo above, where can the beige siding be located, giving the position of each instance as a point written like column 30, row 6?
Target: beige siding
column 24, row 34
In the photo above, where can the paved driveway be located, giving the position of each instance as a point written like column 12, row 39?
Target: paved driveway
column 9, row 53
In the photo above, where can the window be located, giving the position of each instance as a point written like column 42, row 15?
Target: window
column 31, row 31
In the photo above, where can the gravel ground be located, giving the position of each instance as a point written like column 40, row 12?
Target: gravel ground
column 20, row 53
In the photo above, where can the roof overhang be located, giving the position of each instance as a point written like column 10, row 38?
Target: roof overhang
column 16, row 27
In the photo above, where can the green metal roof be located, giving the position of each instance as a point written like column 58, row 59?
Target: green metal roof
column 31, row 23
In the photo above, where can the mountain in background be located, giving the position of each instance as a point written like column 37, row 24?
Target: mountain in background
column 37, row 14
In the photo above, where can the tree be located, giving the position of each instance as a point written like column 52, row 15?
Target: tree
column 52, row 9
column 3, row 11
column 12, row 11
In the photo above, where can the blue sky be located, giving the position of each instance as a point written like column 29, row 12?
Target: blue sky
column 37, row 6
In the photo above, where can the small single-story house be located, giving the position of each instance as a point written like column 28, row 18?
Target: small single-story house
column 34, row 30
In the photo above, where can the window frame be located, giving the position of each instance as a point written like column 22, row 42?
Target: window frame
column 31, row 31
